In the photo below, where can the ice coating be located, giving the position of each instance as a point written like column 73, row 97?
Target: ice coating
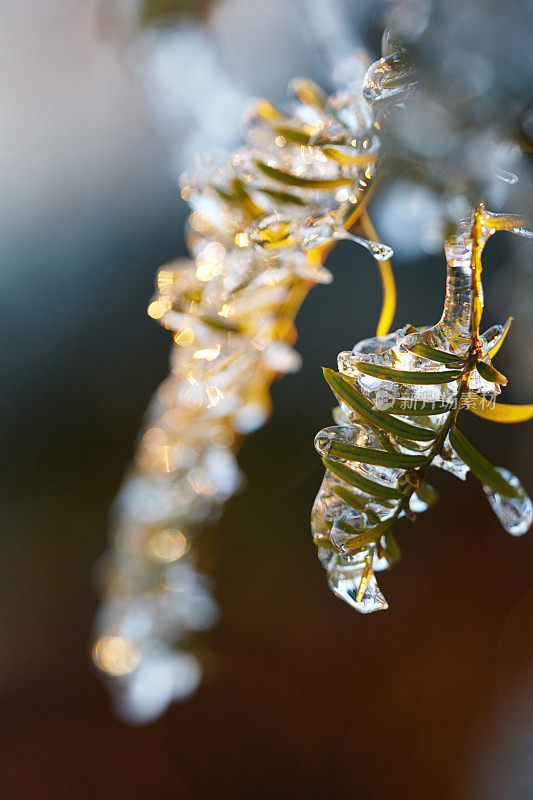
column 361, row 496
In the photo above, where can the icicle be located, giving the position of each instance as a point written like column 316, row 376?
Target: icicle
column 344, row 577
column 514, row 513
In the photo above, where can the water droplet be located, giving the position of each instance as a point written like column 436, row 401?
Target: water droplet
column 514, row 513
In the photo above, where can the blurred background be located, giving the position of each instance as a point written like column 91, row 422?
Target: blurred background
column 303, row 697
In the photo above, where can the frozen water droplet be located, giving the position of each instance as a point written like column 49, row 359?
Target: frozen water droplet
column 323, row 441
column 390, row 79
column 381, row 252
column 327, row 230
column 344, row 578
column 505, row 176
column 357, row 434
column 514, row 513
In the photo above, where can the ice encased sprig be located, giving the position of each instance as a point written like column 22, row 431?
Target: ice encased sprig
column 399, row 396
column 261, row 223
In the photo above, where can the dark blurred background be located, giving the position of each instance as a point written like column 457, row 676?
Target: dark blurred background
column 303, row 697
